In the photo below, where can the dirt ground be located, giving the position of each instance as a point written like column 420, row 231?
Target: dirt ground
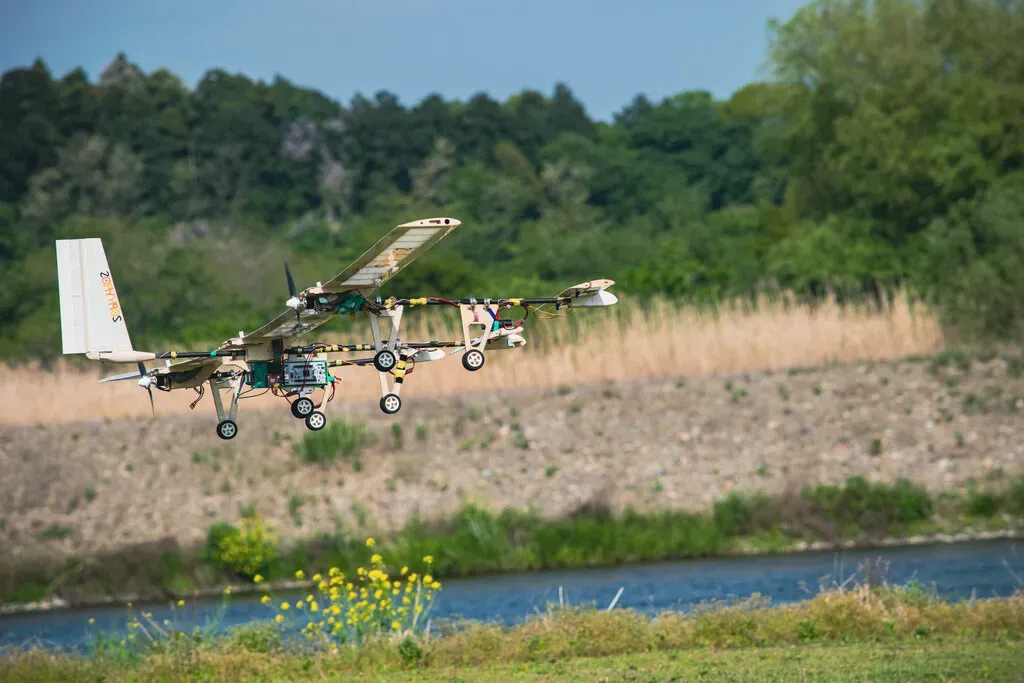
column 85, row 487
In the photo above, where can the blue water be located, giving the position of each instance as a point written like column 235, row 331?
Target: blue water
column 983, row 569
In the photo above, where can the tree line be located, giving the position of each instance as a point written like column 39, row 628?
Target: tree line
column 885, row 150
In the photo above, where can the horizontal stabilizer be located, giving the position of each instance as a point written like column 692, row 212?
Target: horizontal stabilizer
column 123, row 376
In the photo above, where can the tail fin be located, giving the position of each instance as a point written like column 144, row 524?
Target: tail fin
column 91, row 319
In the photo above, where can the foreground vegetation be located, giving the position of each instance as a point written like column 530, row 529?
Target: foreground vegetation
column 884, row 148
column 477, row 541
column 882, row 632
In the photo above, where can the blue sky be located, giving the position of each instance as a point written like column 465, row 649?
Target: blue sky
column 606, row 51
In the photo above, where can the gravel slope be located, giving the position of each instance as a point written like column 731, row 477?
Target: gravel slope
column 670, row 443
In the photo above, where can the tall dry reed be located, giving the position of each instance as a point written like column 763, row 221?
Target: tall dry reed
column 626, row 342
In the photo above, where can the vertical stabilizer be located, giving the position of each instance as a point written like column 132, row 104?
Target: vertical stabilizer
column 91, row 319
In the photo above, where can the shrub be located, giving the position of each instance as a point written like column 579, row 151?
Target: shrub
column 247, row 551
column 339, row 439
column 871, row 507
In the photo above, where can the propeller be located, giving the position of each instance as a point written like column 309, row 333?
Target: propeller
column 294, row 301
column 146, row 381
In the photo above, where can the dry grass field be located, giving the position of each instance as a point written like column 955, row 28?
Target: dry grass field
column 585, row 347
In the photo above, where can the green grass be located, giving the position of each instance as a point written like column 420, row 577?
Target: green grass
column 477, row 541
column 340, row 439
column 860, row 633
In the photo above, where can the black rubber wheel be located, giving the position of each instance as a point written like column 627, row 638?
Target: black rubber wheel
column 316, row 421
column 473, row 360
column 385, row 360
column 390, row 404
column 227, row 429
column 302, row 408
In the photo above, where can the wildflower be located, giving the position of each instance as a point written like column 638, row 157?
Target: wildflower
column 405, row 570
column 181, row 603
column 323, row 586
column 300, row 575
column 257, row 578
column 334, row 571
column 370, row 542
column 317, row 578
column 428, row 579
column 429, row 559
column 284, row 606
column 376, row 558
column 265, row 599
column 419, row 608
column 376, row 594
column 351, row 595
column 279, row 618
column 314, row 607
column 435, row 585
column 309, row 598
column 395, row 625
column 412, row 577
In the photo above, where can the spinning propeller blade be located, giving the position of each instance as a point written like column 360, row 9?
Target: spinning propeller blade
column 293, row 300
column 144, row 374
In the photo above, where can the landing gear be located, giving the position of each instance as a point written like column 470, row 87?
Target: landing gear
column 384, row 360
column 302, row 408
column 316, row 421
column 390, row 404
column 227, row 429
column 473, row 360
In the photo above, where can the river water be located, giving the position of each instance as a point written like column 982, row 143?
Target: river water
column 958, row 571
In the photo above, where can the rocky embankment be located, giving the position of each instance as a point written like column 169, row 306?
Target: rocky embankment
column 87, row 488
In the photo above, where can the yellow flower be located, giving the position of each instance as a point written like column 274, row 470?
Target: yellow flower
column 91, row 620
column 428, row 579
column 323, row 586
column 316, row 578
column 265, row 599
column 181, row 603
column 227, row 591
column 375, row 558
column 279, row 618
column 376, row 594
column 284, row 606
column 429, row 559
column 412, row 577
column 404, row 571
column 313, row 607
column 351, row 595
column 435, row 585
column 334, row 571
column 348, row 586
column 300, row 575
column 395, row 625
column 419, row 608
column 257, row 578
column 309, row 598
column 370, row 542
